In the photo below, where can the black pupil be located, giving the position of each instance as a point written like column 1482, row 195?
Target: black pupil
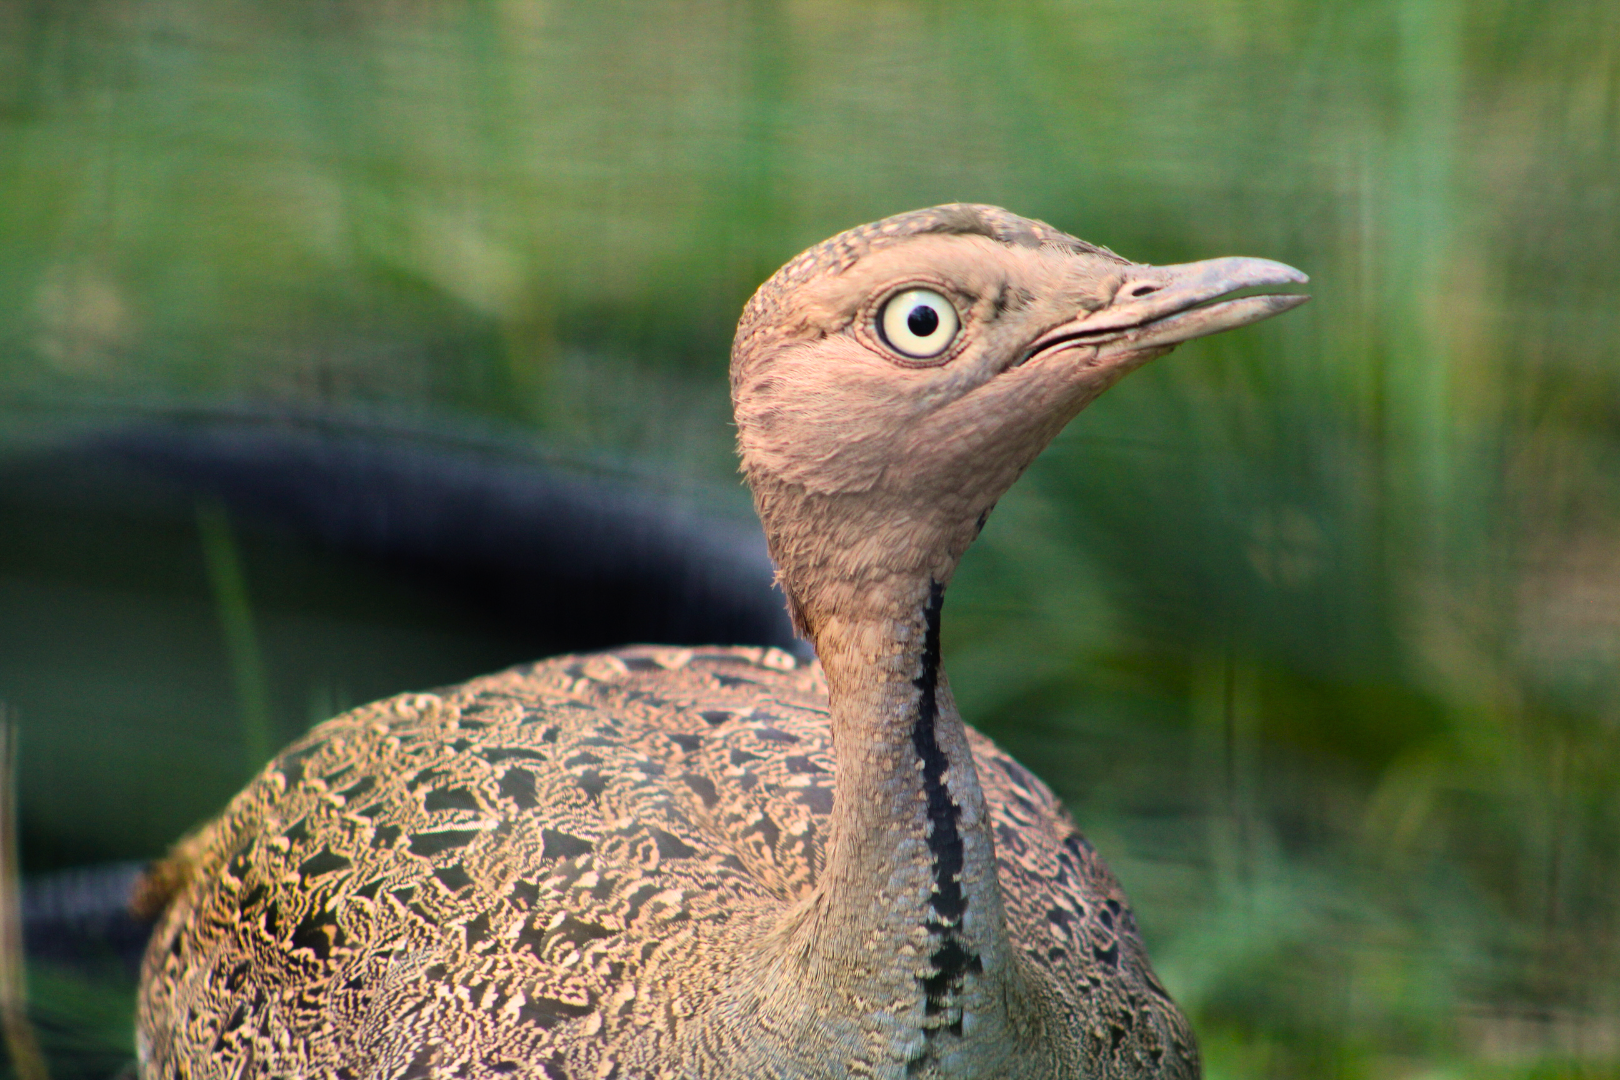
column 923, row 320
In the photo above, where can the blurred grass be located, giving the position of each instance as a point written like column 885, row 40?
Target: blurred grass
column 1316, row 625
column 229, row 586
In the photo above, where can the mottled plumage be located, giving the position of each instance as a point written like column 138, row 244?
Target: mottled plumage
column 385, row 896
column 721, row 863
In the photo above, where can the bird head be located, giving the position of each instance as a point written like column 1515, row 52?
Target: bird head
column 891, row 383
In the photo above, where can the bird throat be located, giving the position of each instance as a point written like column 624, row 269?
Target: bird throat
column 953, row 959
column 909, row 910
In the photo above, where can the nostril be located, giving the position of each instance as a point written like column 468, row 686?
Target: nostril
column 1144, row 290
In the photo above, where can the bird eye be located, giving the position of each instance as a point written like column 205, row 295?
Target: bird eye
column 918, row 323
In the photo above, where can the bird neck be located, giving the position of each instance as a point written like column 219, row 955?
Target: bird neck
column 908, row 909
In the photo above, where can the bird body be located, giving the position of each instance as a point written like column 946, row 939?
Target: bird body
column 723, row 862
column 386, row 898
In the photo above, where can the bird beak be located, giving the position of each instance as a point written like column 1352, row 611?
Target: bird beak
column 1158, row 307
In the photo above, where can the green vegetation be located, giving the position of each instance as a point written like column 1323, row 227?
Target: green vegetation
column 1315, row 625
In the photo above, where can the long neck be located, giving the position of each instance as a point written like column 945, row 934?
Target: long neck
column 908, row 912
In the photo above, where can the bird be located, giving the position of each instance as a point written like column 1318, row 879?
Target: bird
column 716, row 862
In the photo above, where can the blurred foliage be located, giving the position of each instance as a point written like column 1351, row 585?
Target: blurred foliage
column 1316, row 625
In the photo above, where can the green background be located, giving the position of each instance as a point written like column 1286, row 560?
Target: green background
column 1315, row 625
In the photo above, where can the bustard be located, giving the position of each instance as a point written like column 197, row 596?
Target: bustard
column 722, row 862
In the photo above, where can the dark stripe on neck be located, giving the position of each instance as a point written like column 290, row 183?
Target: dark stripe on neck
column 951, row 960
